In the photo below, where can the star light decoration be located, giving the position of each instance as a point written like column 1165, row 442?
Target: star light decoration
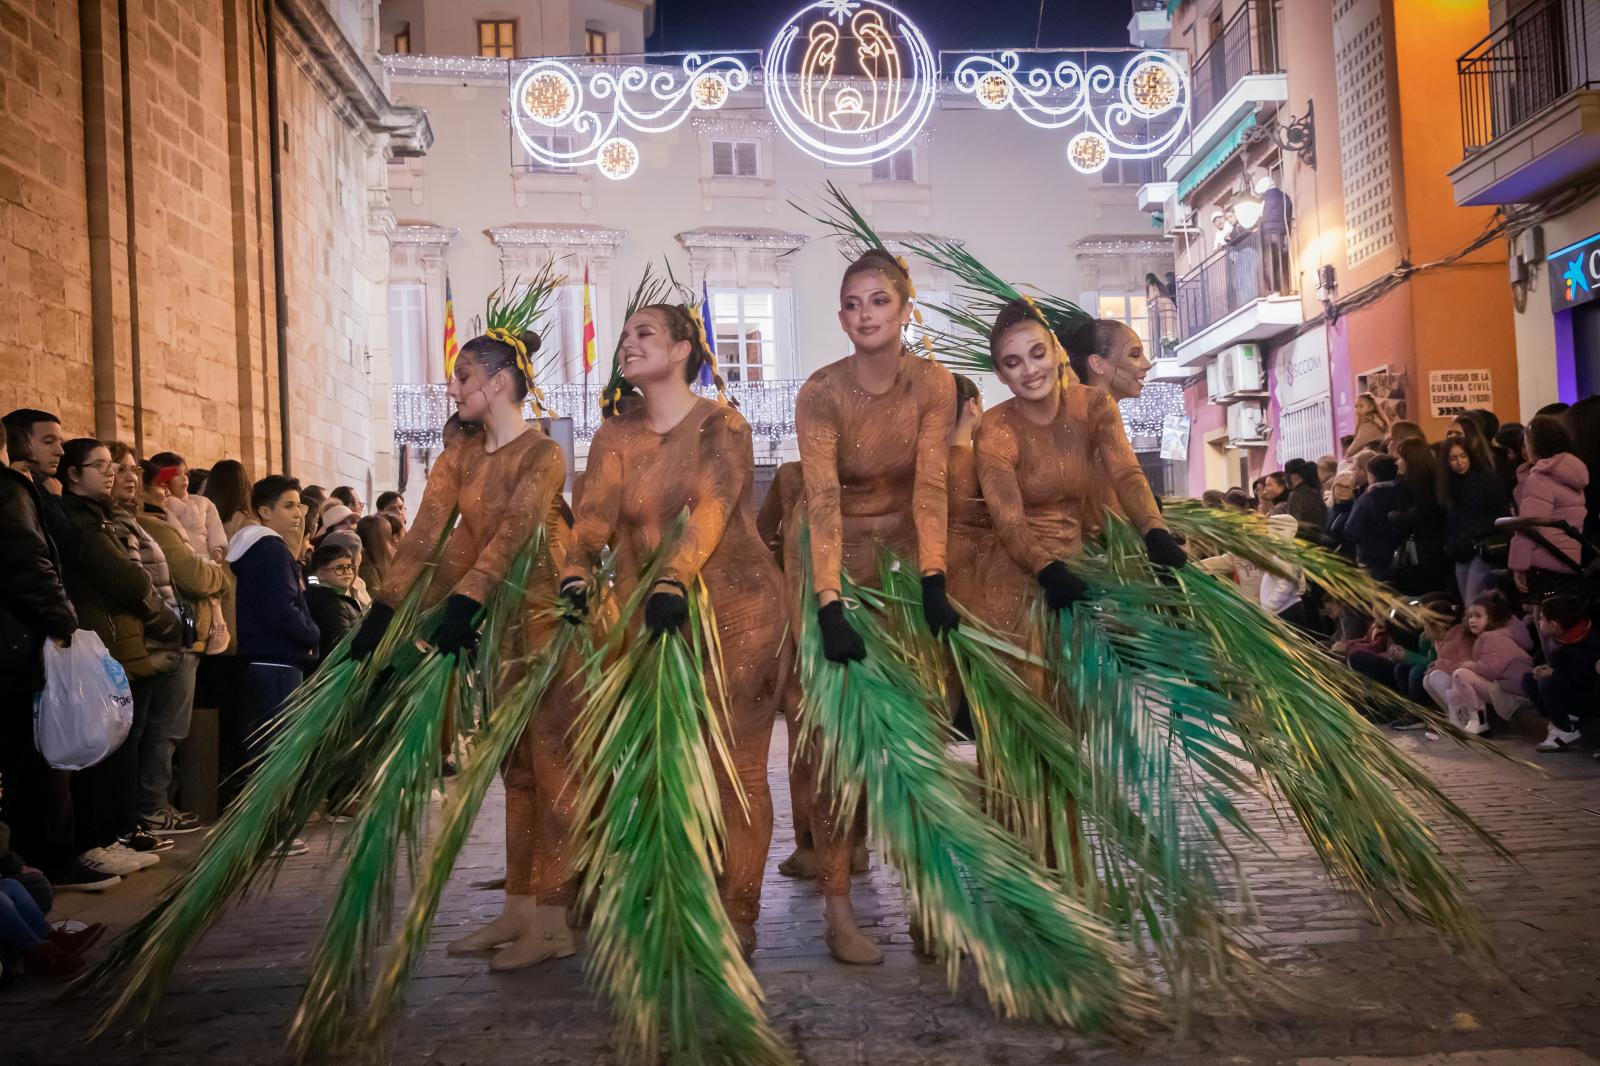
column 1113, row 108
column 549, row 95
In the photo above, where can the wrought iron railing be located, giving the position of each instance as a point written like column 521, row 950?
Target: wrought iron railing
column 1165, row 329
column 1247, row 269
column 1527, row 63
column 1248, row 45
column 420, row 411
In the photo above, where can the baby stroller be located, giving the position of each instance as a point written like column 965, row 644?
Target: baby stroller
column 1580, row 579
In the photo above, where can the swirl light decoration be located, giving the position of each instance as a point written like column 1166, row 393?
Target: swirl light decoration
column 862, row 86
column 1110, row 106
column 550, row 96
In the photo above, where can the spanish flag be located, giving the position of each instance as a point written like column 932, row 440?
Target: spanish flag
column 588, row 325
column 450, row 349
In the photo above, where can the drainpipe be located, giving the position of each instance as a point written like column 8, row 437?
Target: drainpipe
column 136, row 362
column 275, row 133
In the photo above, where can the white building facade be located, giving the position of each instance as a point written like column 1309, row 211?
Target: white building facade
column 713, row 198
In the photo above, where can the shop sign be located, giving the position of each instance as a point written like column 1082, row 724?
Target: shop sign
column 1452, row 391
column 1301, row 368
column 1575, row 274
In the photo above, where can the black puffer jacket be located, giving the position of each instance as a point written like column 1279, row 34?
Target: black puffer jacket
column 33, row 601
column 1477, row 498
column 112, row 593
column 335, row 611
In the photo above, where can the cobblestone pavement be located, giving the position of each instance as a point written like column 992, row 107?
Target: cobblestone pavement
column 1366, row 995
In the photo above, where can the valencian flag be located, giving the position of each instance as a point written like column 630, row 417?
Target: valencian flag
column 588, row 325
column 706, row 377
column 450, row 349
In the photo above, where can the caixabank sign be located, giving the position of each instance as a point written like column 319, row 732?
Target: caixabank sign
column 1575, row 274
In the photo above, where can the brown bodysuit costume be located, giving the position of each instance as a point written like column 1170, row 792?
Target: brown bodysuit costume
column 1039, row 482
column 502, row 497
column 639, row 482
column 874, row 470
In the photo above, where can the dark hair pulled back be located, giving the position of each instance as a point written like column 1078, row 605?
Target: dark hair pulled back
column 1092, row 336
column 879, row 261
column 681, row 326
column 494, row 355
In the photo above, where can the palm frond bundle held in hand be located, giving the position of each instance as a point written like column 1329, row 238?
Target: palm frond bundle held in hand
column 1212, row 531
column 314, row 756
column 975, row 892
column 660, row 945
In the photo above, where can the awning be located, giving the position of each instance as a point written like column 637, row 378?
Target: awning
column 1215, row 158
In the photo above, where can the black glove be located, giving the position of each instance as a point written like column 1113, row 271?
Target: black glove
column 577, row 597
column 840, row 642
column 664, row 611
column 365, row 642
column 1163, row 549
column 936, row 609
column 1062, row 588
column 455, row 630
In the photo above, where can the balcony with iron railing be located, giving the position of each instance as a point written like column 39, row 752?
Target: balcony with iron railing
column 1244, row 291
column 1231, row 81
column 1530, row 104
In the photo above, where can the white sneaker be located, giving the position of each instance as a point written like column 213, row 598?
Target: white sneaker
column 1477, row 725
column 1559, row 740
column 293, row 848
column 145, row 859
column 108, row 863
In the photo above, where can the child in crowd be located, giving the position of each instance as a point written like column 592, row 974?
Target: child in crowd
column 1563, row 689
column 1492, row 675
column 1443, row 645
column 328, row 595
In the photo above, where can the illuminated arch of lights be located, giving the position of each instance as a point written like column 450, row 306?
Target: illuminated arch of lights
column 849, row 82
column 1111, row 107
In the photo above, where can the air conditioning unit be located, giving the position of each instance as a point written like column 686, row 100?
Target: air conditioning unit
column 1214, row 392
column 1247, row 423
column 1242, row 372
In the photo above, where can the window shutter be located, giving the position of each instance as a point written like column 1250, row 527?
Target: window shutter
column 745, row 159
column 722, row 159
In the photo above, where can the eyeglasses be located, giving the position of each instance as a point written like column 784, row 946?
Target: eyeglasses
column 342, row 568
column 105, row 466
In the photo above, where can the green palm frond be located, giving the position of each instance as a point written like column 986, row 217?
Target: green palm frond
column 842, row 217
column 518, row 307
column 882, row 739
column 313, row 757
column 1213, row 531
column 660, row 945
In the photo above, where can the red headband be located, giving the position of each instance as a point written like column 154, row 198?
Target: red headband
column 166, row 474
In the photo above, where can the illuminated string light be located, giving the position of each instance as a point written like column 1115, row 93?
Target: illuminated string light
column 863, row 91
column 1088, row 152
column 1114, row 109
column 550, row 97
column 619, row 158
column 710, row 92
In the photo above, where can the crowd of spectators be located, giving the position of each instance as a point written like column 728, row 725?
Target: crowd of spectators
column 1514, row 606
column 202, row 584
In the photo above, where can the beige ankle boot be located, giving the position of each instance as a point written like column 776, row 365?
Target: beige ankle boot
column 515, row 919
column 547, row 937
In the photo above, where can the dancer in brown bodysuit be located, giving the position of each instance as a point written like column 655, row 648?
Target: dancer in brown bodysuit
column 1107, row 355
column 971, row 538
column 874, row 433
column 503, row 481
column 1040, row 456
column 677, row 451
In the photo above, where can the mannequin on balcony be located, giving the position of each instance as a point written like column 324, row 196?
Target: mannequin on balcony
column 1277, row 215
column 874, row 432
column 671, row 452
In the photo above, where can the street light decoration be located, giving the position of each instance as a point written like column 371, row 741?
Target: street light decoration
column 858, row 89
column 1116, row 110
column 550, row 96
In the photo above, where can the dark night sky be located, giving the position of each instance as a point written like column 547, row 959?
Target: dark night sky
column 684, row 25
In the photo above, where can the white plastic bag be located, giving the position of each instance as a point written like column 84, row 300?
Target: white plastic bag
column 85, row 710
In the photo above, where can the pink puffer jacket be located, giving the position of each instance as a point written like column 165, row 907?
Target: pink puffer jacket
column 1501, row 655
column 1550, row 488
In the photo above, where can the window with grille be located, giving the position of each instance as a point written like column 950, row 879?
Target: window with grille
column 1130, row 307
column 1306, row 432
column 745, row 332
column 735, row 159
column 594, row 43
column 558, row 144
column 497, row 38
column 898, row 167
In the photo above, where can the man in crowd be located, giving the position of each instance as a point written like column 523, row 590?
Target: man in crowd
column 35, row 441
column 347, row 496
column 37, row 798
column 392, row 503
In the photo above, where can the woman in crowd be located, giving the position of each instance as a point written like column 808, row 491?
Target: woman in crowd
column 1473, row 500
column 113, row 595
column 228, row 489
column 378, row 540
column 1371, row 424
column 1304, row 501
column 1271, row 492
column 1342, row 494
column 1418, row 520
column 1550, row 485
column 1399, row 433
column 675, row 452
column 502, row 482
column 198, row 582
column 874, row 431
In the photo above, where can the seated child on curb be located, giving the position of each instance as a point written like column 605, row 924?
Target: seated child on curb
column 1563, row 689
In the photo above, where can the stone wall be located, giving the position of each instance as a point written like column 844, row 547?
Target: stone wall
column 176, row 345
